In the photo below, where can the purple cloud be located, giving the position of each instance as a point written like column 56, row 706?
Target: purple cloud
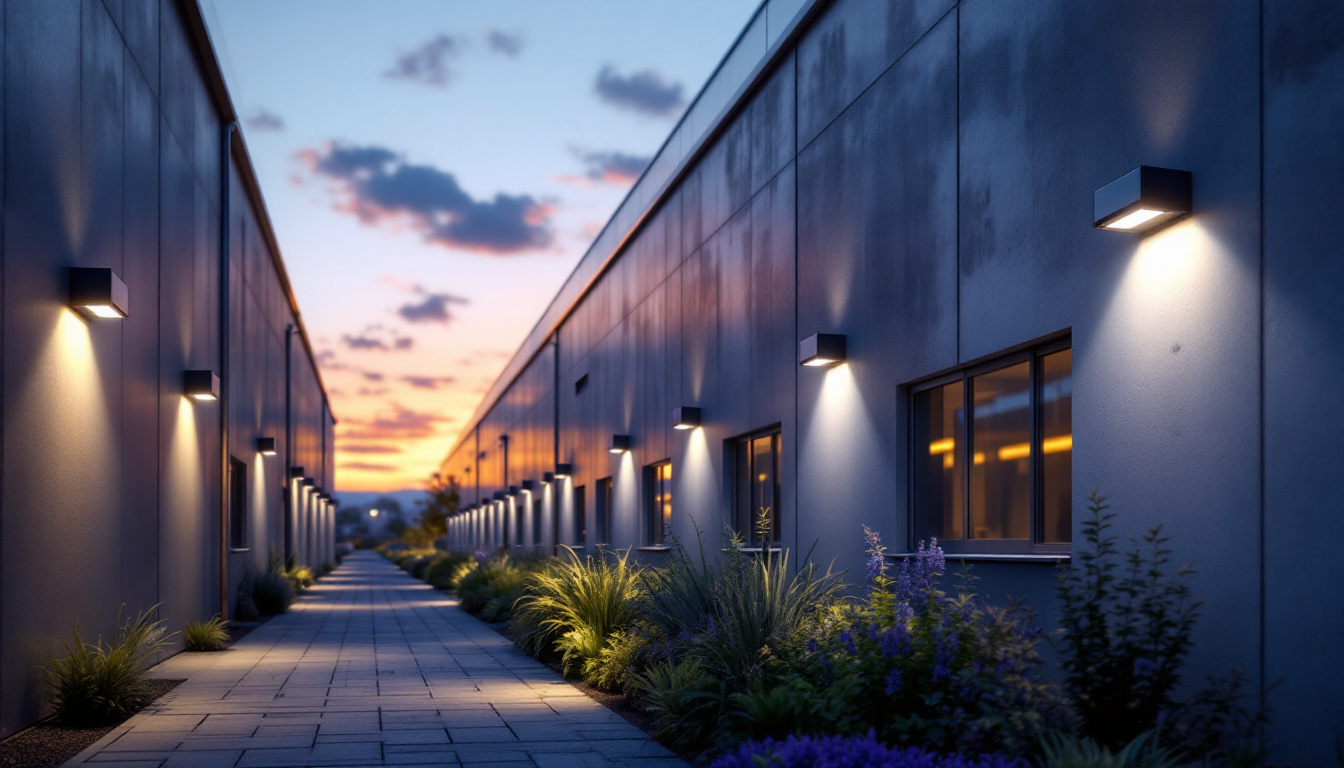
column 428, row 64
column 645, row 92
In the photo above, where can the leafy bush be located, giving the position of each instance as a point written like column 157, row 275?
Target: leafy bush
column 209, row 635
column 270, row 592
column 1125, row 630
column 686, row 701
column 849, row 752
column 445, row 570
column 624, row 655
column 574, row 605
column 923, row 668
column 499, row 577
column 300, row 578
column 1060, row 751
column 99, row 683
column 244, row 609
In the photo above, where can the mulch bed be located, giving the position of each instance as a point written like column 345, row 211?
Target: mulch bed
column 50, row 744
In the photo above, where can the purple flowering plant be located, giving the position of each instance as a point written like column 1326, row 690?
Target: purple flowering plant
column 925, row 668
column 849, row 752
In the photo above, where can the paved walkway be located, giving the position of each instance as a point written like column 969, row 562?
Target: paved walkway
column 372, row 667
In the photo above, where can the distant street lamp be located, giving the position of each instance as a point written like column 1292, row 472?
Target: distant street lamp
column 373, row 513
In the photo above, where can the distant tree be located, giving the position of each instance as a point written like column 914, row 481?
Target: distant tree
column 395, row 526
column 350, row 522
column 441, row 502
column 386, row 505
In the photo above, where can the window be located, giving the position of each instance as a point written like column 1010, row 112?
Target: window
column 658, row 503
column 580, row 516
column 756, row 487
column 536, row 522
column 603, row 511
column 992, row 455
column 237, row 504
column 555, row 524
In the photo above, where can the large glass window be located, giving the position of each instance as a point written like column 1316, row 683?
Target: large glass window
column 992, row 455
column 756, row 487
column 536, row 520
column 658, row 503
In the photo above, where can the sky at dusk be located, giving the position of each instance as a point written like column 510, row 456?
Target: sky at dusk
column 434, row 170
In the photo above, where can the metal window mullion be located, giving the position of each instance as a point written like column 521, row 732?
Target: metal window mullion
column 968, row 455
column 1037, row 469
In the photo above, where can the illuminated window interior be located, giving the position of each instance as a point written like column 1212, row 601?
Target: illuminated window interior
column 658, row 502
column 1012, row 418
column 756, row 486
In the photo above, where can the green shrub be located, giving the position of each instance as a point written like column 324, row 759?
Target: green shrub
column 624, row 655
column 300, row 578
column 269, row 592
column 575, row 604
column 495, row 577
column 1125, row 630
column 686, row 701
column 444, row 571
column 1062, row 751
column 209, row 635
column 99, row 683
column 244, row 609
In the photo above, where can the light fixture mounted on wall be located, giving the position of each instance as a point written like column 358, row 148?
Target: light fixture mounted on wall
column 266, row 446
column 499, row 495
column 547, row 477
column 513, row 490
column 685, row 417
column 619, row 444
column 296, row 473
column 98, row 292
column 822, row 349
column 309, row 482
column 563, row 471
column 1142, row 200
column 201, row 385
column 529, row 485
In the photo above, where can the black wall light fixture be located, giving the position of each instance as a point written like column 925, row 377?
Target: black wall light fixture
column 309, row 482
column 499, row 495
column 547, row 477
column 296, row 473
column 513, row 490
column 266, row 446
column 1142, row 200
column 98, row 292
column 529, row 485
column 619, row 444
column 821, row 349
column 201, row 385
column 685, row 417
column 563, row 471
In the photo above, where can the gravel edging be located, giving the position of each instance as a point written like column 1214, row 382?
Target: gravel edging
column 50, row 744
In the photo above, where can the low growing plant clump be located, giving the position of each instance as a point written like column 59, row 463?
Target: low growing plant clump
column 849, row 752
column 97, row 683
column 209, row 635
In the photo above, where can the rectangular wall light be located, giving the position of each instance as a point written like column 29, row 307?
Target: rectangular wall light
column 309, row 482
column 201, row 385
column 266, row 446
column 499, row 495
column 619, row 444
column 822, row 349
column 529, row 485
column 563, row 471
column 1142, row 200
column 296, row 473
column 513, row 490
column 98, row 292
column 547, row 477
column 685, row 417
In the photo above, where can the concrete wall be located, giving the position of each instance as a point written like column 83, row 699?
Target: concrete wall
column 110, row 480
column 918, row 176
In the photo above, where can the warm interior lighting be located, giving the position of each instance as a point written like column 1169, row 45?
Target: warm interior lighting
column 1134, row 219
column 949, row 460
column 1057, row 444
column 941, row 446
column 1015, row 451
column 979, row 457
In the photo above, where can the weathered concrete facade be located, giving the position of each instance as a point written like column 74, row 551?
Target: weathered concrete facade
column 114, row 485
column 919, row 176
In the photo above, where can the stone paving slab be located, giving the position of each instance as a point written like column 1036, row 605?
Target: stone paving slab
column 372, row 667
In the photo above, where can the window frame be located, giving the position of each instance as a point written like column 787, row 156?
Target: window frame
column 1033, row 354
column 579, row 510
column 653, row 535
column 776, row 432
column 604, row 499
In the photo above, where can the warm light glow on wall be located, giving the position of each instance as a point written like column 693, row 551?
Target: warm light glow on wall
column 98, row 292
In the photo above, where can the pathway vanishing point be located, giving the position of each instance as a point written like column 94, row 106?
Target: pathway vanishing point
column 372, row 667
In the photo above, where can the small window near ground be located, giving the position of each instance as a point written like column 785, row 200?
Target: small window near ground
column 756, row 488
column 992, row 455
column 658, row 503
